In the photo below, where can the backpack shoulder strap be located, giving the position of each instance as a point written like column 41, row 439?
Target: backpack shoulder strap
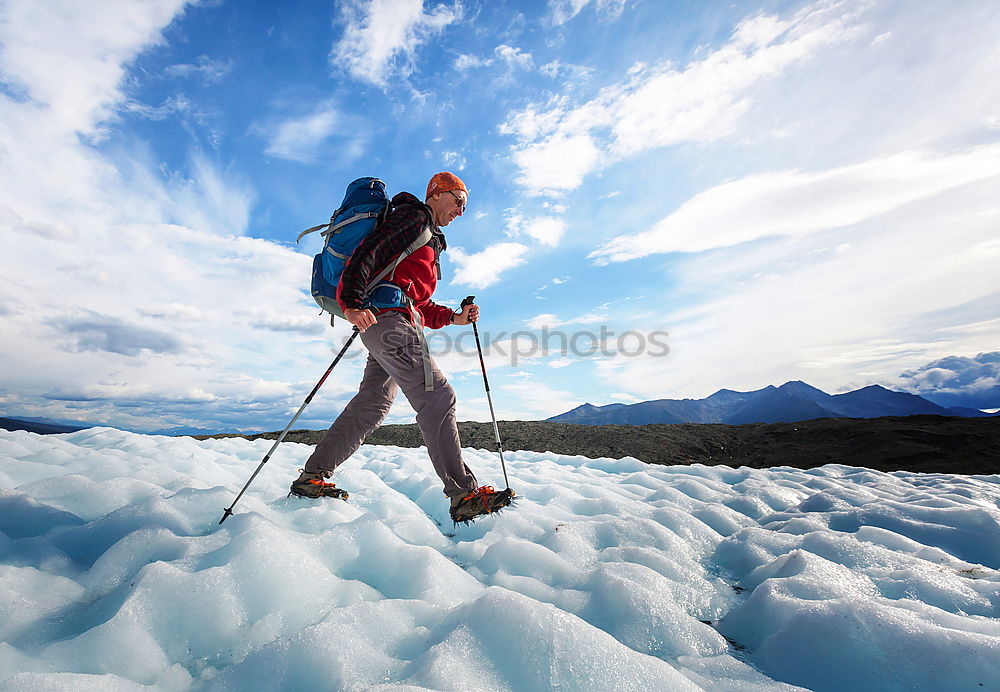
column 421, row 240
column 313, row 230
column 333, row 228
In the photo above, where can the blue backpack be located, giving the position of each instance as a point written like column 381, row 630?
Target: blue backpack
column 364, row 206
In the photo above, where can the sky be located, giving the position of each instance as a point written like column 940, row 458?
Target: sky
column 666, row 199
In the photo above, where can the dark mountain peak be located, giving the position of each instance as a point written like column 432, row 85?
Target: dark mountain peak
column 594, row 407
column 723, row 399
column 877, row 391
column 724, row 394
column 584, row 408
column 732, row 394
column 798, row 386
column 875, row 388
column 875, row 400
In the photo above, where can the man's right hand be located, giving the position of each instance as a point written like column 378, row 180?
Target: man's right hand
column 362, row 319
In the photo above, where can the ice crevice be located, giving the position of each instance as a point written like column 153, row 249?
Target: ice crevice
column 609, row 574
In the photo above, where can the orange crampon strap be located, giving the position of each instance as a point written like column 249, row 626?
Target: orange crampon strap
column 481, row 492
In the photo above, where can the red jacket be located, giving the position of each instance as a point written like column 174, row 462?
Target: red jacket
column 417, row 275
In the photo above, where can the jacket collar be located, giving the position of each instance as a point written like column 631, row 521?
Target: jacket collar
column 408, row 199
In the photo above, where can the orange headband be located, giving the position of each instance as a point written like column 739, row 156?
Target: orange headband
column 445, row 182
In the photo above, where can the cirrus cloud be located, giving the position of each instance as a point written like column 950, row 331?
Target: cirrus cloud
column 661, row 105
column 381, row 37
column 797, row 202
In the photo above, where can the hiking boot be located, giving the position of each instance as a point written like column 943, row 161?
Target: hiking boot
column 312, row 485
column 484, row 500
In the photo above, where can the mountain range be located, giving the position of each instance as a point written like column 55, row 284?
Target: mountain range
column 48, row 426
column 41, row 426
column 791, row 402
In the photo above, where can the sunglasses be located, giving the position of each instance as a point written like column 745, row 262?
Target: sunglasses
column 461, row 202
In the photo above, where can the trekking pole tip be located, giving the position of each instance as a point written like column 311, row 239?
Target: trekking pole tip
column 226, row 514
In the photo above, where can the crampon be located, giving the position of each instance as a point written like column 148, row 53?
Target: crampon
column 314, row 485
column 483, row 500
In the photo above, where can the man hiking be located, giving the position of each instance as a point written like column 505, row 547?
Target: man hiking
column 397, row 353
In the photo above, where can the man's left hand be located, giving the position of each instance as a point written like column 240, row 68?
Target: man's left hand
column 470, row 313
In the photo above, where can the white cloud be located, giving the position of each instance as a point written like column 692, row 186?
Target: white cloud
column 557, row 69
column 957, row 380
column 659, row 106
column 596, row 316
column 866, row 177
column 881, row 38
column 70, row 57
column 558, row 163
column 561, row 11
column 514, row 57
column 173, row 105
column 510, row 59
column 300, row 138
column 551, row 321
column 918, row 283
column 453, row 160
column 796, row 202
column 547, row 230
column 208, row 70
column 467, row 62
column 533, row 400
column 543, row 320
column 381, row 37
column 174, row 311
column 484, row 268
column 129, row 291
column 210, row 200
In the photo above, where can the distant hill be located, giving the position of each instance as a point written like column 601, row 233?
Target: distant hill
column 789, row 403
column 182, row 431
column 38, row 427
column 44, row 426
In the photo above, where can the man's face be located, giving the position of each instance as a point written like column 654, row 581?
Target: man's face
column 447, row 206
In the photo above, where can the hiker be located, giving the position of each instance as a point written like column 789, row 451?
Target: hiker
column 397, row 351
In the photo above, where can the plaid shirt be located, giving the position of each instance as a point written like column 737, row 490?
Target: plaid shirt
column 401, row 227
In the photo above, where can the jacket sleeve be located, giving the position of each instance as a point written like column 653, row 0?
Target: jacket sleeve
column 435, row 316
column 376, row 252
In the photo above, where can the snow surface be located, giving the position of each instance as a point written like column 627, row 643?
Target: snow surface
column 607, row 575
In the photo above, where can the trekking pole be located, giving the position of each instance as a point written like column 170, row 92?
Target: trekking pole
column 229, row 511
column 482, row 364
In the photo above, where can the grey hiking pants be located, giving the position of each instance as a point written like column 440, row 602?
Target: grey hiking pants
column 396, row 361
